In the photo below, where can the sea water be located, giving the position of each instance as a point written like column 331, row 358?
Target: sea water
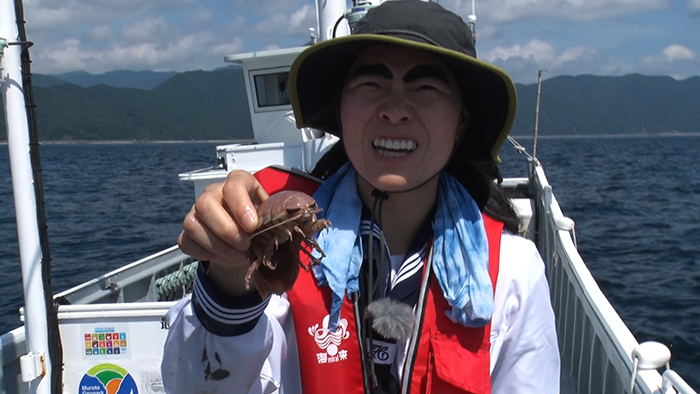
column 635, row 201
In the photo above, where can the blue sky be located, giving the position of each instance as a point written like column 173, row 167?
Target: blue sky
column 565, row 37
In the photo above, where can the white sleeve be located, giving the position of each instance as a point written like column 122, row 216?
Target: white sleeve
column 217, row 343
column 524, row 347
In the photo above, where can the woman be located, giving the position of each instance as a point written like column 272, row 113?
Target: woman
column 424, row 287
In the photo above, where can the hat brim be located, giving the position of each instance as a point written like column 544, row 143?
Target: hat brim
column 488, row 93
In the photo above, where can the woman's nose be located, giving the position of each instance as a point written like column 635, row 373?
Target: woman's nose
column 395, row 108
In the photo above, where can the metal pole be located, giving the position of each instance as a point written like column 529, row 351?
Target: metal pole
column 328, row 12
column 537, row 111
column 36, row 366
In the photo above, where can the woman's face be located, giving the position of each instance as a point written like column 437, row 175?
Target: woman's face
column 401, row 114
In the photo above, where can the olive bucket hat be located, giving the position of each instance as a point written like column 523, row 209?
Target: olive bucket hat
column 488, row 92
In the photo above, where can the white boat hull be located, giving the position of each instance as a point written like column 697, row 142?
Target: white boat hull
column 596, row 346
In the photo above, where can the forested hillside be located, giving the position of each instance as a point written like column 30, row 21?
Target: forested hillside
column 205, row 105
column 196, row 105
column 630, row 104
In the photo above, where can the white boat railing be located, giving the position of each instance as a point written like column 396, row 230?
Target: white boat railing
column 140, row 281
column 673, row 382
column 142, row 290
column 595, row 344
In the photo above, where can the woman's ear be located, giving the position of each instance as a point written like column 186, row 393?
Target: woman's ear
column 463, row 123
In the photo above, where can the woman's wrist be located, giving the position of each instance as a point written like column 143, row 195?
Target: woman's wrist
column 230, row 280
column 223, row 309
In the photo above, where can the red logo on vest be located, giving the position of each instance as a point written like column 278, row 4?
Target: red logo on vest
column 329, row 341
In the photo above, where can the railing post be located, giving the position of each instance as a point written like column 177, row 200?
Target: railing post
column 30, row 253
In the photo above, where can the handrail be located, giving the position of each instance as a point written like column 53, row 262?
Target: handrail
column 595, row 343
column 672, row 380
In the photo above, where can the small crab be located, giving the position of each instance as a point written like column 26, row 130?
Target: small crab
column 287, row 223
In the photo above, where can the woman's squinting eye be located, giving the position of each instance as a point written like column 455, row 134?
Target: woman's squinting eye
column 427, row 87
column 433, row 86
column 370, row 83
column 364, row 82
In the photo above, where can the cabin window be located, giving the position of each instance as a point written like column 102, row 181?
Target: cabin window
column 272, row 89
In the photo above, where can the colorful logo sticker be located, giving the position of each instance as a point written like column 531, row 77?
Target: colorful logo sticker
column 105, row 341
column 107, row 379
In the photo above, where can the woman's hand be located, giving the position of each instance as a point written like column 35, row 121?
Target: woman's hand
column 218, row 228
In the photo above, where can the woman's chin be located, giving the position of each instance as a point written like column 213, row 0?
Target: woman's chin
column 395, row 183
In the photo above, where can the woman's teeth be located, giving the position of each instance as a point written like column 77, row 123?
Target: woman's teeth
column 393, row 147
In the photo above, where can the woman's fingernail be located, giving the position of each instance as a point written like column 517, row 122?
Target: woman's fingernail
column 248, row 222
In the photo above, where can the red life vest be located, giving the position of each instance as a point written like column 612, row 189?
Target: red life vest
column 450, row 358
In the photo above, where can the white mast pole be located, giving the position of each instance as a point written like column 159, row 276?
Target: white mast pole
column 36, row 367
column 328, row 12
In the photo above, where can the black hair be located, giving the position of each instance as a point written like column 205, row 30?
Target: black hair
column 479, row 180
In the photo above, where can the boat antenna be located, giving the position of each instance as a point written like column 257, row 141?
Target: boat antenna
column 356, row 12
column 471, row 21
column 537, row 110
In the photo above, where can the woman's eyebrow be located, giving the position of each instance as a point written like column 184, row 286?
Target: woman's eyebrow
column 424, row 71
column 376, row 69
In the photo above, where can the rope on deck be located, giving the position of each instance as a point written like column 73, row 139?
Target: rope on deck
column 180, row 281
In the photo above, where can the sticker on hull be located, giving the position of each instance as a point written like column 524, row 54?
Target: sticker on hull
column 105, row 341
column 107, row 378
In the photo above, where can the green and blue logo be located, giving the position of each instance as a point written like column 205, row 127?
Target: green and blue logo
column 107, row 379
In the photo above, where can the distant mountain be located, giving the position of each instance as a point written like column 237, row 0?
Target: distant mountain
column 47, row 80
column 201, row 105
column 196, row 105
column 630, row 104
column 146, row 80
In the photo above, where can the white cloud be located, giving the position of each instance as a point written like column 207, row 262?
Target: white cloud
column 675, row 60
column 236, row 25
column 671, row 54
column 104, row 35
column 68, row 58
column 229, row 47
column 676, row 52
column 286, row 26
column 47, row 18
column 269, row 7
column 100, row 32
column 282, row 23
column 70, row 55
column 202, row 15
column 694, row 7
column 538, row 51
column 151, row 56
column 522, row 61
column 578, row 55
column 145, row 29
column 272, row 25
column 510, row 10
column 300, row 16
